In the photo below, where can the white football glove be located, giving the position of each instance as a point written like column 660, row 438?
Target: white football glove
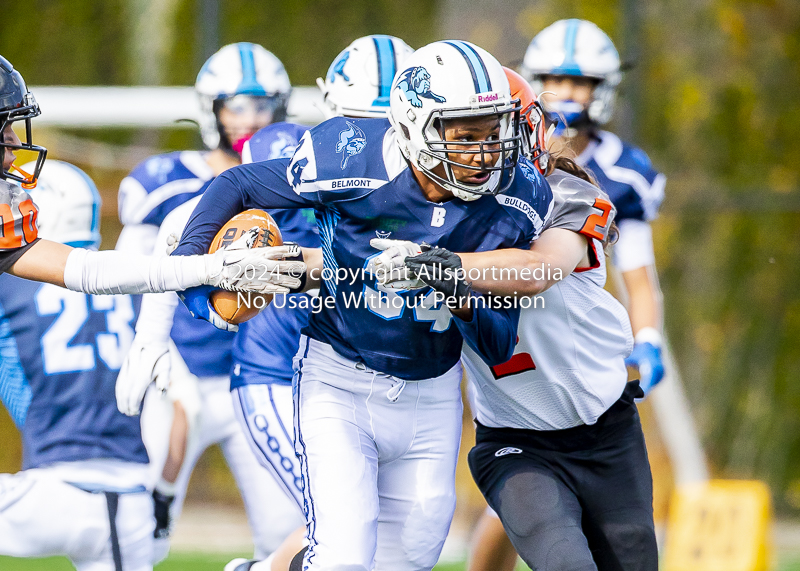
column 239, row 267
column 146, row 362
column 389, row 267
column 173, row 241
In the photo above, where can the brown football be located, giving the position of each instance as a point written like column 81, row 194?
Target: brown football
column 228, row 304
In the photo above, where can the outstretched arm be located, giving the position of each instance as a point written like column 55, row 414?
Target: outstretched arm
column 111, row 272
column 107, row 272
column 514, row 272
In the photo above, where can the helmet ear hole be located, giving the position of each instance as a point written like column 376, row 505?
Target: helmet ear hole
column 406, row 132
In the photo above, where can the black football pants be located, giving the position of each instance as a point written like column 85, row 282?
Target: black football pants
column 579, row 499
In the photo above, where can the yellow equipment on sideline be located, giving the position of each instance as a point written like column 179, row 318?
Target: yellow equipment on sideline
column 719, row 525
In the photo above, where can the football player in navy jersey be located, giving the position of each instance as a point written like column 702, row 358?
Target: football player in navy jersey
column 242, row 88
column 82, row 491
column 356, row 85
column 377, row 402
column 24, row 254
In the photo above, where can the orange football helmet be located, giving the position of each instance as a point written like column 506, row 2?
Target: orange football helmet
column 532, row 124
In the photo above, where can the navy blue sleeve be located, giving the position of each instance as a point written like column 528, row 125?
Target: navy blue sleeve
column 492, row 332
column 258, row 185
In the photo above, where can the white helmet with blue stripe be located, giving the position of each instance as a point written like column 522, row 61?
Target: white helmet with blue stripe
column 360, row 78
column 69, row 205
column 449, row 80
column 578, row 48
column 246, row 77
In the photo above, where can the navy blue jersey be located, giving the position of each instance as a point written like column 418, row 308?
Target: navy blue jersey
column 624, row 172
column 205, row 349
column 275, row 141
column 160, row 184
column 61, row 353
column 351, row 171
column 279, row 141
column 264, row 346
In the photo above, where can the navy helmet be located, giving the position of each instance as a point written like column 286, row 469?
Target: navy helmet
column 18, row 104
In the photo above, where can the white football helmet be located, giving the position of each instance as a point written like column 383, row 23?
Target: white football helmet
column 360, row 78
column 454, row 79
column 69, row 205
column 248, row 79
column 579, row 48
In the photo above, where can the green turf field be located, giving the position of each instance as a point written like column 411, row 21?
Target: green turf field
column 175, row 562
column 215, row 562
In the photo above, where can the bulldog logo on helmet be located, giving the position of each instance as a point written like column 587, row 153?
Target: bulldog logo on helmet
column 338, row 67
column 351, row 142
column 415, row 83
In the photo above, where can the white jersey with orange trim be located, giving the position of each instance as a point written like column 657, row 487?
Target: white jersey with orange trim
column 568, row 367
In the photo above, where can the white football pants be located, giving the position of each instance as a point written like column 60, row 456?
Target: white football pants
column 42, row 516
column 378, row 457
column 271, row 514
column 265, row 413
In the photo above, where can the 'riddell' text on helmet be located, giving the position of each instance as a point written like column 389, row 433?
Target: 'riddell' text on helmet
column 455, row 80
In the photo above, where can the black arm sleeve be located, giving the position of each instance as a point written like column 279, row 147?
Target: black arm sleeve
column 9, row 257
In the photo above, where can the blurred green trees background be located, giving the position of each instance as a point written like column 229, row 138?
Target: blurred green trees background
column 713, row 97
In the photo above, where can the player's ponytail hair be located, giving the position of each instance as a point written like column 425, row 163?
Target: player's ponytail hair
column 569, row 166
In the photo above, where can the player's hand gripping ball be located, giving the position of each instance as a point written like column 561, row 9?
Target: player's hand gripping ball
column 237, row 308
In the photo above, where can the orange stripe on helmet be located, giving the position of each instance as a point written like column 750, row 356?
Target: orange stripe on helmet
column 520, row 89
column 532, row 126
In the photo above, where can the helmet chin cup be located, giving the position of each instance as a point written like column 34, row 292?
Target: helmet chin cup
column 428, row 161
column 464, row 195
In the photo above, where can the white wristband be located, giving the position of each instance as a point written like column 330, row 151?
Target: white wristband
column 649, row 335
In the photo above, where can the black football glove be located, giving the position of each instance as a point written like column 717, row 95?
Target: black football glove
column 441, row 269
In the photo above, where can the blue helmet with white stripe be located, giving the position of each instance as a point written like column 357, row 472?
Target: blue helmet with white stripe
column 246, row 80
column 455, row 80
column 69, row 205
column 576, row 48
column 360, row 78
